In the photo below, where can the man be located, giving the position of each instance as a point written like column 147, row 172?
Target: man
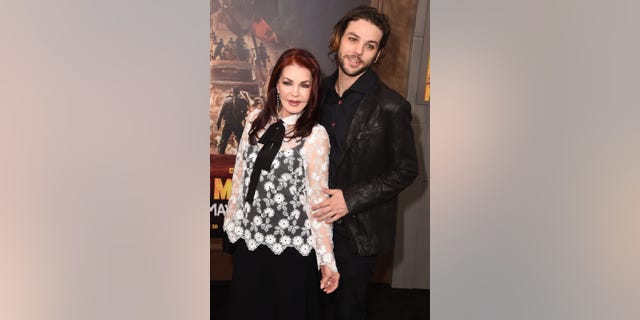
column 233, row 111
column 218, row 51
column 242, row 51
column 372, row 157
column 262, row 56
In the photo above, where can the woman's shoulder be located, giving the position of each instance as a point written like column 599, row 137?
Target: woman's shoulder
column 318, row 129
column 319, row 132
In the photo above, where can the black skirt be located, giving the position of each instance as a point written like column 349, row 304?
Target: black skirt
column 267, row 286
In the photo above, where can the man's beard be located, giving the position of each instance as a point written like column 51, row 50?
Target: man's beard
column 355, row 73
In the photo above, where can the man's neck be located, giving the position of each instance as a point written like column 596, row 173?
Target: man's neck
column 345, row 82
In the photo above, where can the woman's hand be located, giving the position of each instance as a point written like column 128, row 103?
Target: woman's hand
column 330, row 279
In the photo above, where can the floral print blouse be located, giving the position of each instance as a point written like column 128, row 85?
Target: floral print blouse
column 279, row 216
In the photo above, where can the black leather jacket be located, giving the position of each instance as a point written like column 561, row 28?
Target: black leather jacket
column 379, row 161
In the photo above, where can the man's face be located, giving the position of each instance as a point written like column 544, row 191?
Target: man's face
column 358, row 47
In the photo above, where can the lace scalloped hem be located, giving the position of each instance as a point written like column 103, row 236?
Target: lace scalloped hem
column 303, row 247
column 276, row 247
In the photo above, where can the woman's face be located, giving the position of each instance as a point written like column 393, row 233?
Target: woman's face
column 294, row 87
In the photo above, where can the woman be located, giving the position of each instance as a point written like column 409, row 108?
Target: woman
column 280, row 170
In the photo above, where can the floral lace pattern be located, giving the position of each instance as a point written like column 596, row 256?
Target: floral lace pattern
column 279, row 215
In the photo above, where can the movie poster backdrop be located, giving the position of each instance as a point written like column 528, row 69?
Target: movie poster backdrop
column 246, row 38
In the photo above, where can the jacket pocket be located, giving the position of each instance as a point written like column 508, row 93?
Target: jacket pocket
column 369, row 132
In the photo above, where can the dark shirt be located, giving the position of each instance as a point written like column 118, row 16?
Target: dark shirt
column 338, row 112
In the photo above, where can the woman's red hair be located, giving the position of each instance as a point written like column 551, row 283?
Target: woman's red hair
column 309, row 116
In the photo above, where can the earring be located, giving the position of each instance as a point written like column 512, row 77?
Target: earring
column 277, row 100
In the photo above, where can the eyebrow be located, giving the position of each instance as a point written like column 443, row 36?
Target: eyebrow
column 287, row 79
column 357, row 36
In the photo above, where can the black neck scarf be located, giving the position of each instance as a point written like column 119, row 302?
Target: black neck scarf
column 271, row 140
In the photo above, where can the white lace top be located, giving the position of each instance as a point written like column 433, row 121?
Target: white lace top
column 279, row 215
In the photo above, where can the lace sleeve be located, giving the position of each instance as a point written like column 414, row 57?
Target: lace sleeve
column 316, row 159
column 237, row 185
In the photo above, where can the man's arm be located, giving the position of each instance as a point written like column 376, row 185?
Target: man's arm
column 402, row 171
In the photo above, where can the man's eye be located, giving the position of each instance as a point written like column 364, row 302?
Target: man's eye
column 370, row 47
